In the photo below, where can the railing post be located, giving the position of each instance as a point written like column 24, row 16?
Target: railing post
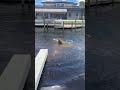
column 47, row 26
column 72, row 26
column 75, row 24
column 54, row 26
column 44, row 22
column 63, row 26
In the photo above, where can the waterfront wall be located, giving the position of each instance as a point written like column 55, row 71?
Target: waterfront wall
column 39, row 65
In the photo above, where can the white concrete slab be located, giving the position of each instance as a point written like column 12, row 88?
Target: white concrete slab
column 39, row 65
column 16, row 72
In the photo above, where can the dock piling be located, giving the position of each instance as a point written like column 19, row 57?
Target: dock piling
column 72, row 26
column 44, row 23
column 75, row 24
column 63, row 26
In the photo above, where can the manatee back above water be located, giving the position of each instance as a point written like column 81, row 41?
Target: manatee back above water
column 64, row 43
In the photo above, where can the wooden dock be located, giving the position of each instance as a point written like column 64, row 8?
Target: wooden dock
column 39, row 65
column 67, row 26
column 58, row 24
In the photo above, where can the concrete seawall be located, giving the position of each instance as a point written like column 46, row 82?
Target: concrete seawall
column 39, row 65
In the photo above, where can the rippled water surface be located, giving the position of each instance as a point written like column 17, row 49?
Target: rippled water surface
column 64, row 69
column 65, row 64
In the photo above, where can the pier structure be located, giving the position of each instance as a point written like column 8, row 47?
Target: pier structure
column 40, row 60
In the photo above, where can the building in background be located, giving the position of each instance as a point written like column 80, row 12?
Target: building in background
column 58, row 10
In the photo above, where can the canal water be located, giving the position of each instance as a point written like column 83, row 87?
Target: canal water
column 65, row 66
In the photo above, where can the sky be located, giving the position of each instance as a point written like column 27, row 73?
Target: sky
column 38, row 2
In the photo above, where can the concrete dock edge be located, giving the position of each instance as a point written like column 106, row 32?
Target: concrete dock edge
column 39, row 65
